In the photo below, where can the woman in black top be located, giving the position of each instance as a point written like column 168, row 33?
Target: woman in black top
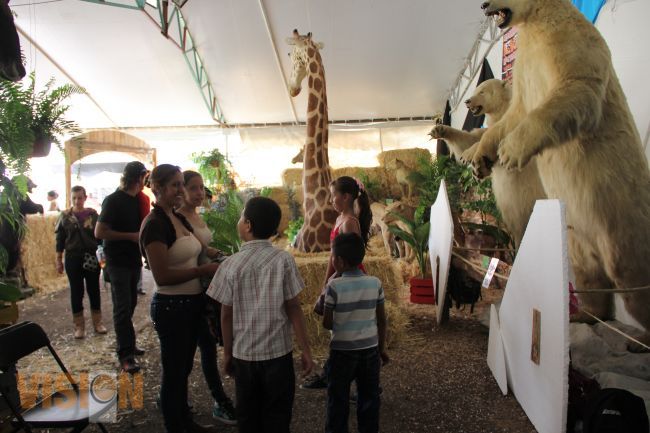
column 172, row 251
column 75, row 235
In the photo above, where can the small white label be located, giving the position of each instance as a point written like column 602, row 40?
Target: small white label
column 490, row 272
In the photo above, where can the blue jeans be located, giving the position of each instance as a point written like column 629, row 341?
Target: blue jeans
column 208, row 346
column 176, row 320
column 124, row 283
column 344, row 367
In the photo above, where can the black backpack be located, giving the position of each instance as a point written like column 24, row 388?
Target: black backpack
column 613, row 410
column 462, row 288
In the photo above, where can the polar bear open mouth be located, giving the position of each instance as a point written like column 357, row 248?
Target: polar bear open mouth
column 502, row 16
column 476, row 110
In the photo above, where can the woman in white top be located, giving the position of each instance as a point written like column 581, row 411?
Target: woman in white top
column 210, row 326
column 172, row 252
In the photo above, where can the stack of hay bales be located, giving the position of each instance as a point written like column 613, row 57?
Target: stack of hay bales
column 38, row 254
column 313, row 268
column 381, row 174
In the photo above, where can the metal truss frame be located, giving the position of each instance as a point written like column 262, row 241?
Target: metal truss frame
column 170, row 15
column 474, row 61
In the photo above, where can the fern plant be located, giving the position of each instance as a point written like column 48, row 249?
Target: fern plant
column 27, row 116
column 222, row 221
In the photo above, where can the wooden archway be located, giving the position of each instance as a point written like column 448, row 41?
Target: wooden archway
column 105, row 140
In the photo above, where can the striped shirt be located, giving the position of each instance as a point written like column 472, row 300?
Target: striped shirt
column 256, row 282
column 354, row 298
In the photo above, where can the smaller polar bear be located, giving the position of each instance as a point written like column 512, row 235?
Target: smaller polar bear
column 515, row 191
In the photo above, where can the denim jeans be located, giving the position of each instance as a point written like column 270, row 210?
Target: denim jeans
column 76, row 277
column 176, row 319
column 344, row 367
column 124, row 283
column 265, row 391
column 208, row 347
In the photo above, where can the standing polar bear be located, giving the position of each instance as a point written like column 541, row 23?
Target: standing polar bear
column 515, row 191
column 569, row 112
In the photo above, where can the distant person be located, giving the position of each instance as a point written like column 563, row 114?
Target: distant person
column 75, row 235
column 119, row 227
column 258, row 288
column 51, row 197
column 8, row 234
column 354, row 312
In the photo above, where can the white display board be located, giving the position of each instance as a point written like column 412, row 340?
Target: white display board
column 441, row 237
column 538, row 281
column 496, row 358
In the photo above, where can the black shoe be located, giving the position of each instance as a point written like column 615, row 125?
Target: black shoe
column 130, row 365
column 193, row 427
column 316, row 382
column 138, row 352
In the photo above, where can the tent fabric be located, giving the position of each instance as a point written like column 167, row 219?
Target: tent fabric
column 382, row 59
column 590, row 8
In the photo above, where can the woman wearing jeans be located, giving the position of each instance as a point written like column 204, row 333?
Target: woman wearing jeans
column 75, row 235
column 172, row 253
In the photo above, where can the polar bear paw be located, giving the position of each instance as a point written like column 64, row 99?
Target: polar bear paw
column 480, row 160
column 439, row 131
column 512, row 154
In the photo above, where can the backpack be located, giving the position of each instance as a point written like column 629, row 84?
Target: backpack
column 462, row 288
column 613, row 410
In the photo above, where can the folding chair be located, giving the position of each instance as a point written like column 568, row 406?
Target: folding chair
column 22, row 339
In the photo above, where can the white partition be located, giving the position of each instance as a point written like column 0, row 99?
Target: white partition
column 441, row 237
column 496, row 357
column 538, row 281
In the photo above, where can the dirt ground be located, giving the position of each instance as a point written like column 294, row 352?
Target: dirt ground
column 437, row 380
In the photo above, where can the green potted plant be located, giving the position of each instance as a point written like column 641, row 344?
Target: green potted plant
column 34, row 120
column 215, row 168
column 416, row 233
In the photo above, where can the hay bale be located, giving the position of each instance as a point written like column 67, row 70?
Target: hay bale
column 313, row 267
column 38, row 254
column 292, row 176
column 408, row 156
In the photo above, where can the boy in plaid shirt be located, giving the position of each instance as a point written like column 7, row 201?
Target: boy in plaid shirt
column 258, row 288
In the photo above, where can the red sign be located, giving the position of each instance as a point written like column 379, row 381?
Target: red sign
column 509, row 54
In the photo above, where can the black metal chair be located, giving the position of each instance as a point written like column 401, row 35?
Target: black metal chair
column 69, row 408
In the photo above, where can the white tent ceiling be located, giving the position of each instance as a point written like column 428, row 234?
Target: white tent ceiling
column 383, row 58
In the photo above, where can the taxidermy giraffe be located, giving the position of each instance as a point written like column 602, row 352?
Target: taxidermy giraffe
column 314, row 236
column 11, row 59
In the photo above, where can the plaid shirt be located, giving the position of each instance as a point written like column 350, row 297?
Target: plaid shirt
column 255, row 282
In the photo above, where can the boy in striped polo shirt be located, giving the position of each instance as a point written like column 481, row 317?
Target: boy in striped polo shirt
column 354, row 312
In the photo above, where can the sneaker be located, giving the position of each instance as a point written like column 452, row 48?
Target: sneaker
column 315, row 382
column 224, row 412
column 130, row 365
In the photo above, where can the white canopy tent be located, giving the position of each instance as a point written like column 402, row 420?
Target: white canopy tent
column 386, row 63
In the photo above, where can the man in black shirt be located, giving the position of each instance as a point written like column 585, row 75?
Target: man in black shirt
column 119, row 227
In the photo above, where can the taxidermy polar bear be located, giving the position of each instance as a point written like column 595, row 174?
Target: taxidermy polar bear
column 569, row 112
column 515, row 191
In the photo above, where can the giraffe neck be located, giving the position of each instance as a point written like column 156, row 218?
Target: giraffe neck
column 316, row 177
column 317, row 126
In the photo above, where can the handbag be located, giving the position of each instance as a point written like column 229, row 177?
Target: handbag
column 90, row 262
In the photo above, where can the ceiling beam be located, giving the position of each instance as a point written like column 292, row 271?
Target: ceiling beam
column 166, row 15
column 277, row 60
column 474, row 61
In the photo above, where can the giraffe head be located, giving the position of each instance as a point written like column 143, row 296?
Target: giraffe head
column 303, row 50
